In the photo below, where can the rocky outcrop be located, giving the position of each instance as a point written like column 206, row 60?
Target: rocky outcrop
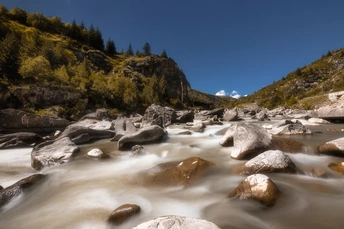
column 334, row 147
column 271, row 161
column 11, row 192
column 149, row 134
column 38, row 96
column 158, row 115
column 177, row 172
column 258, row 187
column 334, row 111
column 176, row 222
column 205, row 115
column 21, row 139
column 53, row 153
column 248, row 140
column 123, row 213
column 12, row 120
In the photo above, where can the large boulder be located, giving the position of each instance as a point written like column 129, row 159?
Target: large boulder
column 21, row 139
column 80, row 134
column 248, row 139
column 123, row 213
column 178, row 172
column 176, row 222
column 334, row 147
column 258, row 187
column 334, row 111
column 230, row 115
column 184, row 116
column 53, row 153
column 11, row 192
column 205, row 115
column 149, row 134
column 288, row 127
column 269, row 162
column 158, row 115
column 12, row 120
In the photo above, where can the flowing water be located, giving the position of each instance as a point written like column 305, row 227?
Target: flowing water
column 83, row 192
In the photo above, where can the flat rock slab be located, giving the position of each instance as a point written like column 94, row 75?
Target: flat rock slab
column 53, row 153
column 258, row 187
column 177, row 222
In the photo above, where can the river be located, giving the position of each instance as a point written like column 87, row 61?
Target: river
column 83, row 192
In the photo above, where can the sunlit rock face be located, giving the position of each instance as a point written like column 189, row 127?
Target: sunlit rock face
column 258, row 187
column 269, row 162
column 176, row 222
column 334, row 147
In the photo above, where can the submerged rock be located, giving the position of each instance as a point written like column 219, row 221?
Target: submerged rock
column 53, row 153
column 123, row 213
column 11, row 192
column 178, row 172
column 338, row 167
column 334, row 147
column 258, row 187
column 176, row 222
column 149, row 134
column 269, row 162
column 137, row 149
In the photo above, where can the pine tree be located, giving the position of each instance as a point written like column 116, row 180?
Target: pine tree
column 130, row 51
column 164, row 54
column 110, row 47
column 146, row 49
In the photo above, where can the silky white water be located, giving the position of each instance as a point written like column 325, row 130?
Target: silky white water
column 83, row 192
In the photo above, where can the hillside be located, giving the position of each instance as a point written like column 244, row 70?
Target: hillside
column 50, row 67
column 306, row 87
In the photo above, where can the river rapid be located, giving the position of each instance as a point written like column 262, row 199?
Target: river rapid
column 83, row 192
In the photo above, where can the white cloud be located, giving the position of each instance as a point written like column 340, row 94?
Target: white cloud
column 235, row 94
column 221, row 93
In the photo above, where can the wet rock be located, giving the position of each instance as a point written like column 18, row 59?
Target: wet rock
column 21, row 139
column 137, row 150
column 334, row 147
column 184, row 116
column 287, row 127
column 214, row 114
column 258, row 187
column 315, row 172
column 338, row 167
column 123, row 213
column 178, row 172
column 185, row 133
column 11, row 192
column 248, row 140
column 271, row 161
column 176, row 222
column 289, row 145
column 149, row 134
column 97, row 153
column 158, row 115
column 53, row 153
column 230, row 115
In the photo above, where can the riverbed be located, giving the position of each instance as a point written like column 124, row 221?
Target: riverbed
column 83, row 192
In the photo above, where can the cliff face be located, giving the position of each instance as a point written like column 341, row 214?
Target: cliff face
column 178, row 85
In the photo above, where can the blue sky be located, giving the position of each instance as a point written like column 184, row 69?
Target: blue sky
column 221, row 45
